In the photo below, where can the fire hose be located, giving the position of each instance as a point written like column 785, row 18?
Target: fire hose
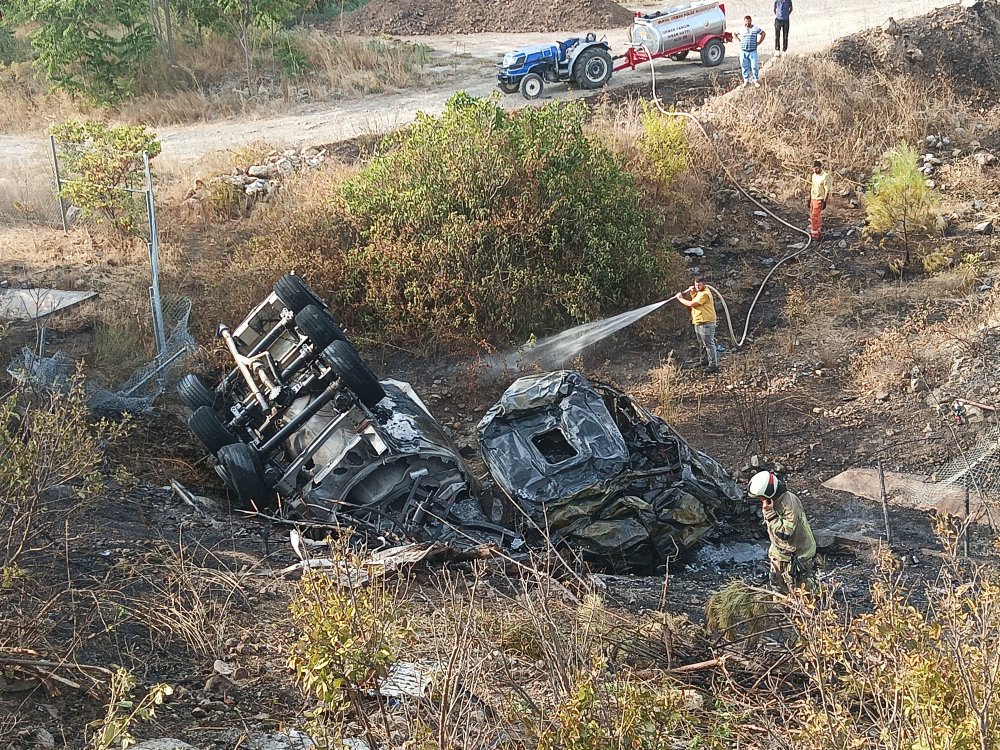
column 809, row 240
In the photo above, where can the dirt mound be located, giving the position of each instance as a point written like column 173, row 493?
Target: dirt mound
column 954, row 45
column 404, row 17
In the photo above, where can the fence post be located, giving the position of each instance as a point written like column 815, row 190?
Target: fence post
column 55, row 168
column 154, row 263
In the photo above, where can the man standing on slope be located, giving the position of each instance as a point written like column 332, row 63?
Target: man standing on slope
column 749, row 59
column 819, row 192
column 703, row 316
column 782, row 15
column 793, row 547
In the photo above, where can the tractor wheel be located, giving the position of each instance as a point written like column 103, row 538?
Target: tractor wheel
column 319, row 326
column 353, row 372
column 244, row 475
column 209, row 429
column 712, row 53
column 592, row 68
column 295, row 294
column 194, row 393
column 509, row 88
column 532, row 86
column 679, row 56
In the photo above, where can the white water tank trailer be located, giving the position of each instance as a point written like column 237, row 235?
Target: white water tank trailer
column 674, row 32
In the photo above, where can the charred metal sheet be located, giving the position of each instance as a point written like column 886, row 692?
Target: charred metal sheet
column 599, row 473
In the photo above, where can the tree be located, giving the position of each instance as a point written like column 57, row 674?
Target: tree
column 90, row 47
column 104, row 168
column 244, row 18
column 899, row 199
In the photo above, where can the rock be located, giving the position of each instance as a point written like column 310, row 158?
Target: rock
column 165, row 743
column 928, row 429
column 881, row 395
column 931, row 184
column 258, row 187
column 44, row 739
column 695, row 251
column 261, row 170
column 918, row 385
column 760, row 213
column 985, row 159
column 285, row 166
column 755, row 462
column 984, row 227
column 734, row 241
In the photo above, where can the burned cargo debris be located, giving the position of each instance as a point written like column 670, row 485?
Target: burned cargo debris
column 301, row 424
column 599, row 473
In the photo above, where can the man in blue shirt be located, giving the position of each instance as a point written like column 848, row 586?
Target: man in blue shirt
column 782, row 14
column 751, row 37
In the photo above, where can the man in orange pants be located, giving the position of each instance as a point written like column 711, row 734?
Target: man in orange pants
column 817, row 198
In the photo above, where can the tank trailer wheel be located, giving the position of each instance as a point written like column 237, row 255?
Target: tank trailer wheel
column 593, row 68
column 679, row 56
column 712, row 53
column 532, row 86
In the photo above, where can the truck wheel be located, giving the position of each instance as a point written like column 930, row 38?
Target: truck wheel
column 194, row 393
column 679, row 56
column 532, row 86
column 318, row 326
column 509, row 88
column 244, row 475
column 592, row 68
column 295, row 294
column 712, row 53
column 353, row 372
column 209, row 429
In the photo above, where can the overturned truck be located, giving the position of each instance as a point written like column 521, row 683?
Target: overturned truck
column 302, row 427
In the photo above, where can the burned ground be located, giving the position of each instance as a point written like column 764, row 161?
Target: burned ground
column 165, row 589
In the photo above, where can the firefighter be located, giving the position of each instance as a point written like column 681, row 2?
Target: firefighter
column 793, row 547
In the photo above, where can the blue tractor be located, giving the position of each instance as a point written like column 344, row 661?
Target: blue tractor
column 583, row 61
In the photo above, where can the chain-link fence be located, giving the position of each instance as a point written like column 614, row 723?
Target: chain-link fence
column 129, row 208
column 28, row 192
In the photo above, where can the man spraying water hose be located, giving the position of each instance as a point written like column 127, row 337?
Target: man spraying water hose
column 703, row 316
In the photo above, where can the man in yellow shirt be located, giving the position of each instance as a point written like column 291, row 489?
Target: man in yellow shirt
column 703, row 316
column 817, row 198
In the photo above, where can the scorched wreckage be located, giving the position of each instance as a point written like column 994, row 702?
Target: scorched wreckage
column 301, row 426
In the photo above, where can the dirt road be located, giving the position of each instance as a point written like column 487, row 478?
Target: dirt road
column 813, row 27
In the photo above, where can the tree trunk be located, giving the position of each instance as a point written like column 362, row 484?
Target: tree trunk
column 168, row 26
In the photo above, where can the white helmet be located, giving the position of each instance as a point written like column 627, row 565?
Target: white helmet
column 763, row 483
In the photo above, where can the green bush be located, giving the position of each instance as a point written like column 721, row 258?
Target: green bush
column 103, row 167
column 486, row 225
column 899, row 199
column 663, row 144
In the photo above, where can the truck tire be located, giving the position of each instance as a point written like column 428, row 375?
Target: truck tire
column 295, row 294
column 245, row 476
column 353, row 372
column 592, row 68
column 679, row 56
column 318, row 326
column 509, row 88
column 194, row 393
column 532, row 86
column 713, row 53
column 209, row 429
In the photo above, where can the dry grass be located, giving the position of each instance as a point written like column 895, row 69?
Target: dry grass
column 685, row 204
column 208, row 81
column 812, row 107
column 668, row 386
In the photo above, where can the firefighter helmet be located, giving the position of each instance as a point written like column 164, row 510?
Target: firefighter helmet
column 763, row 484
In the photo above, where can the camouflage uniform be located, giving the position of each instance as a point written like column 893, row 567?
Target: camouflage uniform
column 793, row 547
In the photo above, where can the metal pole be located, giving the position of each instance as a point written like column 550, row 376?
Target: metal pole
column 885, row 503
column 968, row 527
column 154, row 263
column 55, row 168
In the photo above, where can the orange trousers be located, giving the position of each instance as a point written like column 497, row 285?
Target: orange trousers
column 815, row 218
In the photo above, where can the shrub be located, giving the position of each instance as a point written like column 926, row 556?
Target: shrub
column 45, row 444
column 663, row 144
column 102, row 165
column 486, row 225
column 899, row 199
